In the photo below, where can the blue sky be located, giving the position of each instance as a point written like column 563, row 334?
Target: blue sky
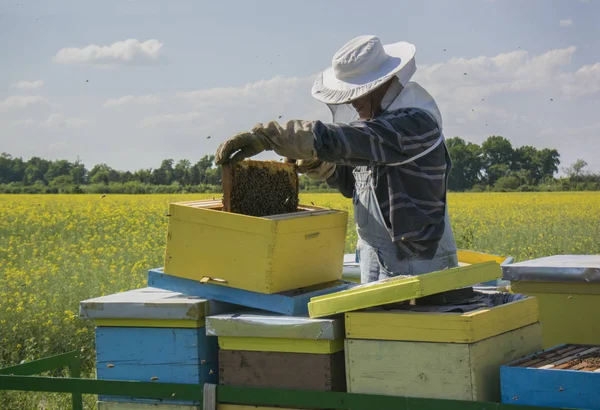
column 133, row 82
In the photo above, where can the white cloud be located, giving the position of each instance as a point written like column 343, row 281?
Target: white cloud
column 566, row 23
column 130, row 99
column 24, row 122
column 23, row 101
column 121, row 52
column 465, row 80
column 28, row 85
column 168, row 119
column 276, row 87
column 62, row 121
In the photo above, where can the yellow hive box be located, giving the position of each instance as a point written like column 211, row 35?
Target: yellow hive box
column 459, row 371
column 568, row 290
column 469, row 327
column 261, row 254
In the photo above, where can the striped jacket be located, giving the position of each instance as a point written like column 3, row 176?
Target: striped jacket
column 412, row 197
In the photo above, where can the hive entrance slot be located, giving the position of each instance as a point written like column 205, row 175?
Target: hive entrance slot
column 260, row 188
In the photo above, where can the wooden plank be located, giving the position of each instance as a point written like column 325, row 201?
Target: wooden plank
column 441, row 327
column 282, row 370
column 227, row 185
column 557, row 364
column 539, row 358
column 294, row 303
column 472, row 257
column 188, row 324
column 552, row 358
column 256, row 344
column 436, row 370
column 400, row 289
column 553, row 388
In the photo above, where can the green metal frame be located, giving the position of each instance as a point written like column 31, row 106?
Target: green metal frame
column 69, row 360
column 21, row 378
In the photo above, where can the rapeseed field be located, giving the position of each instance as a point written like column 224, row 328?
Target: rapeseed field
column 56, row 250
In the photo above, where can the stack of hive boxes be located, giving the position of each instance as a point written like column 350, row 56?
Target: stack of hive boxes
column 270, row 266
column 150, row 334
column 567, row 372
column 433, row 346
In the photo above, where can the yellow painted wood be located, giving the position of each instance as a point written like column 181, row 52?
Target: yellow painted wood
column 459, row 371
column 572, row 318
column 403, row 288
column 281, row 345
column 223, row 406
column 173, row 323
column 110, row 405
column 441, row 327
column 580, row 288
column 471, row 257
column 256, row 254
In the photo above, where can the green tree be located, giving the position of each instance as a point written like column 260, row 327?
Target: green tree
column 163, row 175
column 498, row 156
column 576, row 170
column 182, row 172
column 467, row 162
column 103, row 174
column 58, row 168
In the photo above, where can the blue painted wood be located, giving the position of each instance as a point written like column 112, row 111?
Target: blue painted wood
column 550, row 388
column 164, row 355
column 293, row 303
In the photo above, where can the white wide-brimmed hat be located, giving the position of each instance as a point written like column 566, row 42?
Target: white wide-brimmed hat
column 362, row 65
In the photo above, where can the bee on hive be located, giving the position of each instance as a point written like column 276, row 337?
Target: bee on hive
column 261, row 188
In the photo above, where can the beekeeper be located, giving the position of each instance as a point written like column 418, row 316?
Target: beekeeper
column 384, row 149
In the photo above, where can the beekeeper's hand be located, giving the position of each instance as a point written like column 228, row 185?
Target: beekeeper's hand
column 241, row 146
column 315, row 168
column 293, row 140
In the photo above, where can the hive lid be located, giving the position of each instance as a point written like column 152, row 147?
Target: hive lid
column 402, row 288
column 557, row 268
column 259, row 324
column 150, row 303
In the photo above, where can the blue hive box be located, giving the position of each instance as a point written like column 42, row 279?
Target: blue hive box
column 156, row 335
column 565, row 376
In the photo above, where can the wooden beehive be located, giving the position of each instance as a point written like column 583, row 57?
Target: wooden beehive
column 568, row 290
column 274, row 351
column 422, row 349
column 153, row 334
column 260, row 188
column 565, row 376
column 268, row 254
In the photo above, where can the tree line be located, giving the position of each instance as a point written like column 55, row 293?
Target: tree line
column 495, row 165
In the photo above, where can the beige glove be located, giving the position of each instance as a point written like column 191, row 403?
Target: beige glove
column 294, row 140
column 315, row 169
